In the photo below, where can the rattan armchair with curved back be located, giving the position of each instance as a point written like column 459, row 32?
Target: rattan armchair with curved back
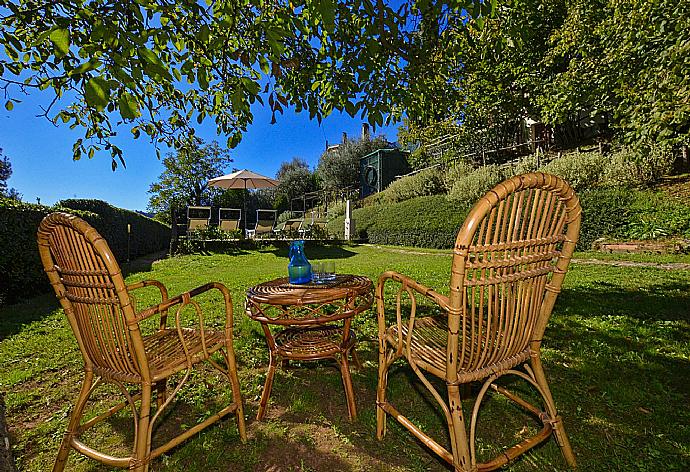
column 509, row 261
column 102, row 314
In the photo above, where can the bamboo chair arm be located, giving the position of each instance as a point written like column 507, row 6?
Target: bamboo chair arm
column 184, row 298
column 439, row 299
column 164, row 296
column 408, row 285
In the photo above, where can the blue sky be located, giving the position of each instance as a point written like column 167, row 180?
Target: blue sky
column 42, row 165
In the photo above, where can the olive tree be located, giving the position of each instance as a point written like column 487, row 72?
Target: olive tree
column 184, row 180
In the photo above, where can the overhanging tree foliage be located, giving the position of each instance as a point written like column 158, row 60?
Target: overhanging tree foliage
column 158, row 67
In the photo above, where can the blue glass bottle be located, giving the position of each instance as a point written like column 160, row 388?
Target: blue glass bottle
column 299, row 268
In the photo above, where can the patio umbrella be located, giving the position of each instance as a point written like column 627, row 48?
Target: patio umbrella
column 243, row 179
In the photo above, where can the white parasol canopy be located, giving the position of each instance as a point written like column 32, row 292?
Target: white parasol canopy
column 244, row 179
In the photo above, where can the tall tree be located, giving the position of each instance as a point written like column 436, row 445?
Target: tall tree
column 338, row 167
column 294, row 180
column 629, row 59
column 159, row 67
column 5, row 174
column 185, row 178
column 617, row 65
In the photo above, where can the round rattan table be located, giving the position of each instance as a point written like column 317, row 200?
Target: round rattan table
column 316, row 320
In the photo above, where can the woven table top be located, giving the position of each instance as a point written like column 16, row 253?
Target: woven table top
column 282, row 292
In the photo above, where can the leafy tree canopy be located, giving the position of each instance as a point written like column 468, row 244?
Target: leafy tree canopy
column 187, row 172
column 338, row 167
column 295, row 179
column 5, row 174
column 621, row 63
column 158, row 67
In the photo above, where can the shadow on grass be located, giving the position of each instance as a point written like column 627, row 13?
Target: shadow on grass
column 316, row 252
column 651, row 302
column 14, row 317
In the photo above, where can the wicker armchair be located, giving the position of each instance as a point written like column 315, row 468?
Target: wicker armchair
column 510, row 258
column 102, row 313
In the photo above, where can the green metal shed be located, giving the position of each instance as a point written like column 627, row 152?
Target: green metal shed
column 379, row 168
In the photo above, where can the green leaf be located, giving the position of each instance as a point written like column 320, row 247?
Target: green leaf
column 327, row 10
column 86, row 67
column 60, row 39
column 203, row 79
column 129, row 106
column 9, row 105
column 150, row 56
column 263, row 63
column 97, row 93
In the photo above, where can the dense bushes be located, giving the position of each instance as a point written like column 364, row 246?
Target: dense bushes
column 21, row 272
column 581, row 171
column 471, row 187
column 146, row 235
column 433, row 222
column 634, row 168
column 425, row 183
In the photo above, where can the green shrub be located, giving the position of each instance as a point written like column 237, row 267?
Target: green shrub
column 655, row 217
column 146, row 235
column 635, row 168
column 21, row 271
column 526, row 165
column 455, row 172
column 471, row 187
column 622, row 213
column 337, row 209
column 605, row 213
column 580, row 170
column 424, row 183
column 431, row 222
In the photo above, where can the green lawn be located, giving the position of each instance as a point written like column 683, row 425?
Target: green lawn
column 617, row 353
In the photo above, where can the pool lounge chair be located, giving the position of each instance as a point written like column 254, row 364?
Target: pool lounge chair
column 265, row 224
column 198, row 217
column 289, row 228
column 229, row 219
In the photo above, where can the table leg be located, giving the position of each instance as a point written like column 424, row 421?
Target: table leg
column 347, row 383
column 355, row 359
column 267, row 387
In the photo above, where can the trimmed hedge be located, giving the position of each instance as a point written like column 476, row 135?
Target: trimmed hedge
column 433, row 222
column 21, row 272
column 146, row 236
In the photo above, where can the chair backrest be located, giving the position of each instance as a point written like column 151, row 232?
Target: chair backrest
column 293, row 225
column 510, row 258
column 198, row 217
column 89, row 284
column 229, row 219
column 265, row 221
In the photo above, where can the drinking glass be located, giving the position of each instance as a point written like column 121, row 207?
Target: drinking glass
column 317, row 272
column 328, row 273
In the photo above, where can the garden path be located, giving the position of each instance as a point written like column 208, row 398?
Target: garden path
column 616, row 263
